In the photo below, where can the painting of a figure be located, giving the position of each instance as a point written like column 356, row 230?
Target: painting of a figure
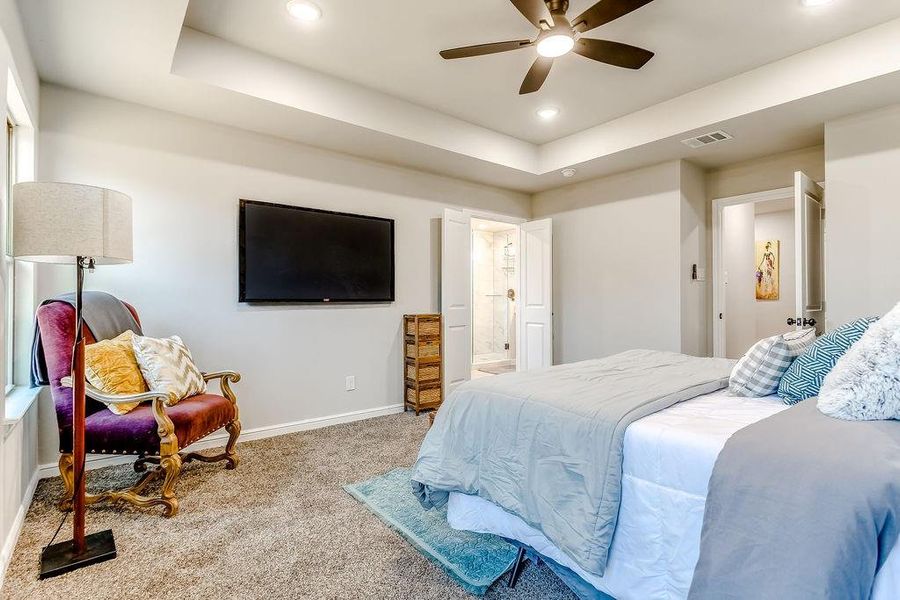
column 767, row 269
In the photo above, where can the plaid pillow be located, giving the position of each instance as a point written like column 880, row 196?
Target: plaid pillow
column 759, row 372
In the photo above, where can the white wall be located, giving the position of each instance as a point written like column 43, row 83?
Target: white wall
column 740, row 290
column 765, row 173
column 619, row 259
column 862, row 245
column 185, row 177
column 694, row 250
column 18, row 440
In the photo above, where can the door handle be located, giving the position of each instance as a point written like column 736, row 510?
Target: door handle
column 801, row 321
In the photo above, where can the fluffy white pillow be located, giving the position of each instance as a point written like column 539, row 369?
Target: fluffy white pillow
column 865, row 383
column 167, row 366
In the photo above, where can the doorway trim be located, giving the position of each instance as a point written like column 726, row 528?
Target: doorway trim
column 718, row 251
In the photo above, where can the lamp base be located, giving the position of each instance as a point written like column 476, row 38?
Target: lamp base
column 61, row 558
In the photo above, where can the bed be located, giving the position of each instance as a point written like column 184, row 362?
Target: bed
column 668, row 460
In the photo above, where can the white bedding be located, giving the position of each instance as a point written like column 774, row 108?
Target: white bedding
column 669, row 457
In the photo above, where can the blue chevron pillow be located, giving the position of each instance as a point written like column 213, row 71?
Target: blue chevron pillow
column 805, row 375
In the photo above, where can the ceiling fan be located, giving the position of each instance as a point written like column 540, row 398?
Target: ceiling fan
column 558, row 35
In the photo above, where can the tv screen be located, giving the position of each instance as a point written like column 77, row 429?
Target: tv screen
column 294, row 254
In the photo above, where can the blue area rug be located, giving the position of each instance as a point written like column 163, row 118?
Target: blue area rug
column 474, row 560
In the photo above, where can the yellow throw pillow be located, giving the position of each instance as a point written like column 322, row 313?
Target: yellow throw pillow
column 110, row 367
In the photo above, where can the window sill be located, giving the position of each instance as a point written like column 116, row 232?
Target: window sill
column 18, row 401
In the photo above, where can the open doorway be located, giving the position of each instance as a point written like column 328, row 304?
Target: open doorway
column 768, row 251
column 496, row 295
column 494, row 290
column 760, row 284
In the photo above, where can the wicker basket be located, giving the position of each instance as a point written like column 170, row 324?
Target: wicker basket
column 427, row 327
column 425, row 373
column 427, row 396
column 424, row 350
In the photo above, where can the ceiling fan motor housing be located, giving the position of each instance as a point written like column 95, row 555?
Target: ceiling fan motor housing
column 558, row 10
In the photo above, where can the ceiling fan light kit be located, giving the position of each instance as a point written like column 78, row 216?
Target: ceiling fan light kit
column 558, row 35
column 556, row 45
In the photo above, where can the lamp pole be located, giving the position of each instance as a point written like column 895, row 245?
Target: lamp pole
column 82, row 550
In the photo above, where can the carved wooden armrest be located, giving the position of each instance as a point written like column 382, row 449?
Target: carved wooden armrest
column 226, row 378
column 165, row 427
column 96, row 394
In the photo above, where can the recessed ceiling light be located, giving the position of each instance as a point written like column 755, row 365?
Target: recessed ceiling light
column 570, row 172
column 548, row 112
column 304, row 10
column 555, row 45
column 812, row 3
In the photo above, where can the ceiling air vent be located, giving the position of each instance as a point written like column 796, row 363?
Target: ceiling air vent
column 706, row 139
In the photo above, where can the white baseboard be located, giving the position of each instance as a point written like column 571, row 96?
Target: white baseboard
column 9, row 545
column 96, row 461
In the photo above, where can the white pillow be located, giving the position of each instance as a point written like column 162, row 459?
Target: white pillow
column 864, row 385
column 167, row 366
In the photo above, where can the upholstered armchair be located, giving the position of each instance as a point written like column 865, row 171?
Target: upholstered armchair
column 153, row 432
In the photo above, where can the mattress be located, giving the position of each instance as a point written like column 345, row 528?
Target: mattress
column 669, row 457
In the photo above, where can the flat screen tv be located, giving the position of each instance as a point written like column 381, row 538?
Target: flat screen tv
column 294, row 254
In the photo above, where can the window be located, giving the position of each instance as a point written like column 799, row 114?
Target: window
column 8, row 262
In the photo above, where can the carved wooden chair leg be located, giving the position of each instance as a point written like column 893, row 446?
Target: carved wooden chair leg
column 171, row 465
column 67, row 473
column 234, row 430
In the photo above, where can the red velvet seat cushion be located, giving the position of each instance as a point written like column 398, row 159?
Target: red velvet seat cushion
column 136, row 432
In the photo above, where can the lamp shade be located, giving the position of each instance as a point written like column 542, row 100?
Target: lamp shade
column 58, row 222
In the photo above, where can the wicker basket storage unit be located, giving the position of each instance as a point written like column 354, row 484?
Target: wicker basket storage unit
column 422, row 366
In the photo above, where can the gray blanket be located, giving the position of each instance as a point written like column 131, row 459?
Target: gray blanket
column 800, row 506
column 547, row 445
column 104, row 315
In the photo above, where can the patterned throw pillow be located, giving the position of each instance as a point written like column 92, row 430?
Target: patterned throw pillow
column 758, row 372
column 167, row 366
column 806, row 375
column 110, row 367
column 864, row 385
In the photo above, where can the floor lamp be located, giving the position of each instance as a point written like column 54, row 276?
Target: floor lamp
column 84, row 226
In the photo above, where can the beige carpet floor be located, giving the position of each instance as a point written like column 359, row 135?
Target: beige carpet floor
column 280, row 526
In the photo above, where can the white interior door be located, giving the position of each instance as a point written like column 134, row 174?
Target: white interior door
column 456, row 297
column 535, row 323
column 809, row 223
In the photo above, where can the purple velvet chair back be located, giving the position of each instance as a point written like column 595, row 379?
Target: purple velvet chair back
column 57, row 323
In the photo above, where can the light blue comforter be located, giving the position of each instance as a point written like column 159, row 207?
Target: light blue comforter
column 547, row 445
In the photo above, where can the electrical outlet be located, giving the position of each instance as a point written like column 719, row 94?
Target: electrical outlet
column 351, row 383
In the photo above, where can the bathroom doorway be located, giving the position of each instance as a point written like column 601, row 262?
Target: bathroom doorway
column 494, row 291
column 496, row 295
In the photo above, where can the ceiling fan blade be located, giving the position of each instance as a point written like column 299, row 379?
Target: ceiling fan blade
column 536, row 76
column 605, row 11
column 533, row 10
column 613, row 53
column 482, row 49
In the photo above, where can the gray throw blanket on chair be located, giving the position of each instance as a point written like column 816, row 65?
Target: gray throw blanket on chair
column 800, row 506
column 105, row 316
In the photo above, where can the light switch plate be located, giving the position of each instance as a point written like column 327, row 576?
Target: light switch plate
column 351, row 383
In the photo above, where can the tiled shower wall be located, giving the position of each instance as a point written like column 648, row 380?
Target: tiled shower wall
column 493, row 276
